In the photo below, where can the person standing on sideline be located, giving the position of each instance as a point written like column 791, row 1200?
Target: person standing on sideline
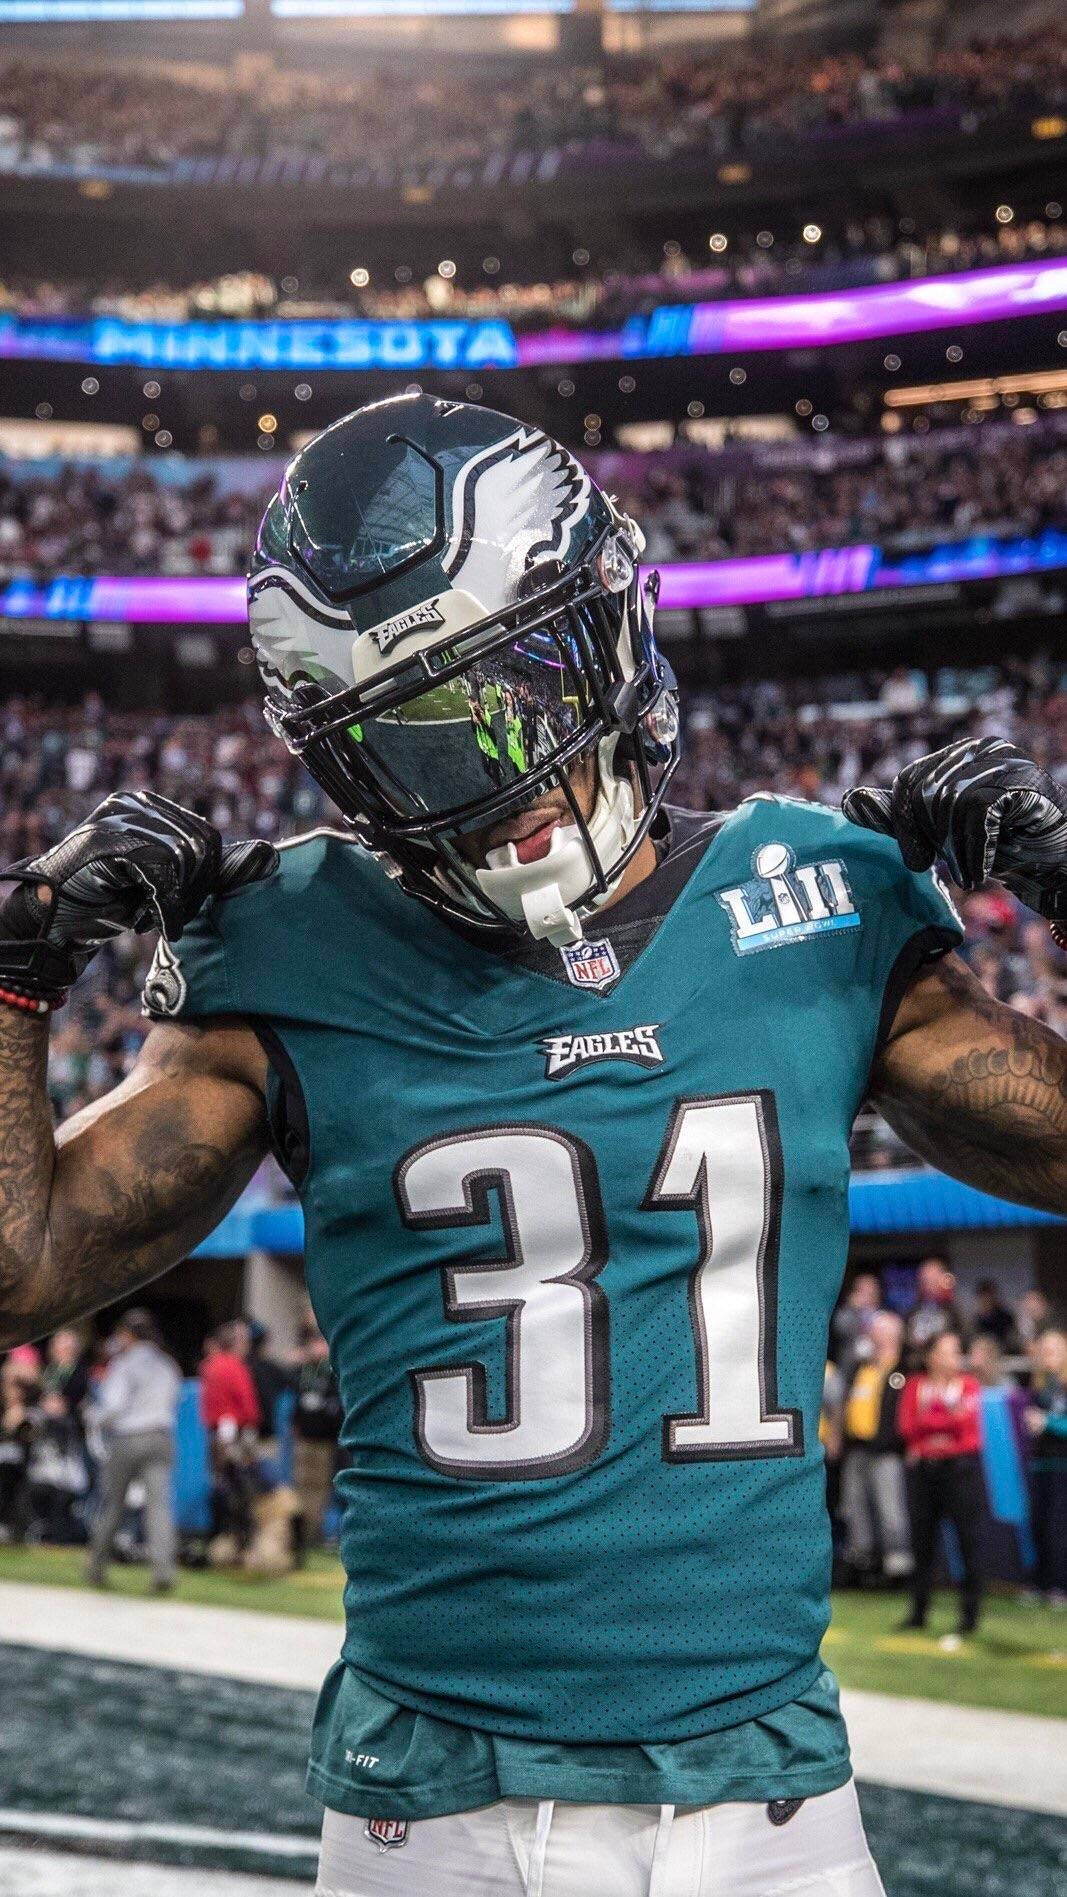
column 1046, row 1420
column 985, row 1360
column 1032, row 1318
column 136, row 1408
column 851, row 1323
column 268, row 1375
column 229, row 1408
column 935, row 1310
column 992, row 1317
column 317, row 1419
column 939, row 1418
column 873, row 1493
column 229, row 1403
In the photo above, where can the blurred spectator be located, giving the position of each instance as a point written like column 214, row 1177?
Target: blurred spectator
column 934, row 1311
column 18, row 1392
column 135, row 1405
column 1046, row 1419
column 938, row 1420
column 317, row 1419
column 229, row 1406
column 58, row 1471
column 268, row 1375
column 228, row 1399
column 986, row 1361
column 850, row 1326
column 66, row 1371
column 992, row 1317
column 873, row 1494
column 1033, row 1318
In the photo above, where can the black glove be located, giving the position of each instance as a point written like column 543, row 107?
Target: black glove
column 138, row 862
column 987, row 810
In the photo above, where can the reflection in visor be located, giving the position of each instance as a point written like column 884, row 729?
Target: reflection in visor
column 472, row 736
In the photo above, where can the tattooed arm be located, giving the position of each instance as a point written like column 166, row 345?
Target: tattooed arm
column 131, row 1184
column 977, row 1088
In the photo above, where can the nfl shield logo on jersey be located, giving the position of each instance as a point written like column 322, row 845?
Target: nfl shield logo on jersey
column 591, row 965
column 387, row 1833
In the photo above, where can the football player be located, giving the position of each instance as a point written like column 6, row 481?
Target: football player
column 564, row 1077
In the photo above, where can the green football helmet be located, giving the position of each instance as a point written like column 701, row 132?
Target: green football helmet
column 448, row 614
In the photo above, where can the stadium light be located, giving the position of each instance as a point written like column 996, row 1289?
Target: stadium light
column 1043, row 383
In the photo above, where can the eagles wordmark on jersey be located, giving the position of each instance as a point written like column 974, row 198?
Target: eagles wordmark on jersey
column 575, row 1255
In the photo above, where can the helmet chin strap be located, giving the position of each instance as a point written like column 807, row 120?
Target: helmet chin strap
column 542, row 894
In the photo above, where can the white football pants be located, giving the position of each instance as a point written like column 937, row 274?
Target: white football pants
column 519, row 1848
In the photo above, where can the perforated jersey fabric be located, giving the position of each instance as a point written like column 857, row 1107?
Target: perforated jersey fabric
column 661, row 1572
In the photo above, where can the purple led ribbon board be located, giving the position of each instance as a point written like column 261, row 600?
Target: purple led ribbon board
column 213, row 601
column 835, row 316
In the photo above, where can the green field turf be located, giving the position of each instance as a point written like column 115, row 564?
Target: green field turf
column 314, row 1591
column 1018, row 1662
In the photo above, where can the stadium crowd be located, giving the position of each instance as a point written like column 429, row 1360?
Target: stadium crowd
column 716, row 104
column 601, row 291
column 911, row 1387
column 904, row 491
column 85, row 1419
column 693, row 504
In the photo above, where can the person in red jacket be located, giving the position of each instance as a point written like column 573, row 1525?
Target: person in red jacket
column 228, row 1400
column 939, row 1419
column 229, row 1407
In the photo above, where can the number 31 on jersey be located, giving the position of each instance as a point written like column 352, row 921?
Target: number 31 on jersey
column 722, row 1160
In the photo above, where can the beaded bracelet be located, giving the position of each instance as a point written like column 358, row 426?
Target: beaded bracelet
column 29, row 1004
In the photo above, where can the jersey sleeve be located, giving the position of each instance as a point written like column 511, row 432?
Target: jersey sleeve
column 248, row 953
column 908, row 919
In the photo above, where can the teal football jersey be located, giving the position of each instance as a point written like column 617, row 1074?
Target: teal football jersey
column 575, row 1249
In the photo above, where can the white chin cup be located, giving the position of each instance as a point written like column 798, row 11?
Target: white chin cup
column 542, row 894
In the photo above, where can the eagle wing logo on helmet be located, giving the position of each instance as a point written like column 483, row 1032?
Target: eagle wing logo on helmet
column 514, row 504
column 284, row 615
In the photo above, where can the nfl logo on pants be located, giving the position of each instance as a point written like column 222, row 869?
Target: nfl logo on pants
column 386, row 1833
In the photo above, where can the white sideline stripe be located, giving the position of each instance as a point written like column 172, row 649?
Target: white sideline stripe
column 73, row 1826
column 968, row 1752
column 916, row 1744
column 225, row 1642
column 28, row 1873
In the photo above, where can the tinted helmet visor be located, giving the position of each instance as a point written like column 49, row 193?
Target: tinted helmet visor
column 484, row 731
column 451, row 738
